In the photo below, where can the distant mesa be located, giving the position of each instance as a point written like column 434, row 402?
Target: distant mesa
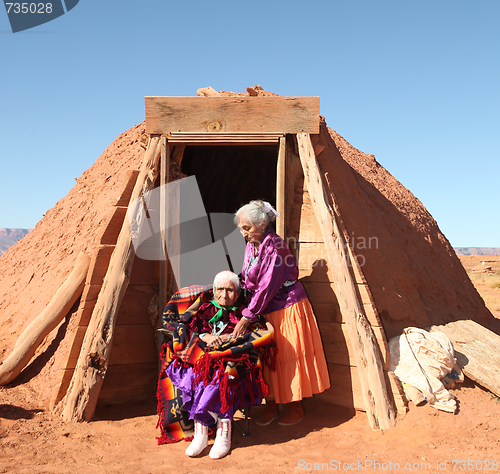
column 477, row 250
column 9, row 237
column 482, row 269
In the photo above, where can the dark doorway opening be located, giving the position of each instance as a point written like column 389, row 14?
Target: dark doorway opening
column 230, row 176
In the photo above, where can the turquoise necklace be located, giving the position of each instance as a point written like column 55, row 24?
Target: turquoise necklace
column 253, row 259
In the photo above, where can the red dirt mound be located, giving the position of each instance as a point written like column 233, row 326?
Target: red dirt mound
column 414, row 275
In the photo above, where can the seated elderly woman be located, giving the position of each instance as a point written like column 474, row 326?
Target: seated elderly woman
column 216, row 375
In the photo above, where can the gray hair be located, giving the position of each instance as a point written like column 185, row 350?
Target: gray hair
column 225, row 276
column 254, row 213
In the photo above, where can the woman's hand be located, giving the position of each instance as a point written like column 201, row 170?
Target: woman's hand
column 213, row 341
column 240, row 328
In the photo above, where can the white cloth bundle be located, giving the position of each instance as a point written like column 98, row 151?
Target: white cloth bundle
column 421, row 359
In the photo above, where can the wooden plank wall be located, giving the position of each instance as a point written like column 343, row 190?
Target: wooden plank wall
column 133, row 365
column 315, row 272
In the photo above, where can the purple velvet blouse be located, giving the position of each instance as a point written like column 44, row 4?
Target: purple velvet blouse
column 199, row 322
column 268, row 276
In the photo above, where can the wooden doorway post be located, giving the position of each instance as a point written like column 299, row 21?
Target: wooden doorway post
column 164, row 207
column 280, row 189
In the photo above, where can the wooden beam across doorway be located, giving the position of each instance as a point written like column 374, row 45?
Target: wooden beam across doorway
column 232, row 114
column 224, row 138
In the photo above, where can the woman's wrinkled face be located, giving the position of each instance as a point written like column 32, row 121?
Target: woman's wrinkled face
column 252, row 232
column 225, row 293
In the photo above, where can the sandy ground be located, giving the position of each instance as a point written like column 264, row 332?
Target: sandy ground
column 488, row 283
column 122, row 439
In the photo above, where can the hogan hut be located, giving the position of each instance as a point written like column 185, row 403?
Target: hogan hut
column 372, row 259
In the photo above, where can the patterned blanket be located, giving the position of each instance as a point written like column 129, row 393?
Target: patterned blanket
column 236, row 364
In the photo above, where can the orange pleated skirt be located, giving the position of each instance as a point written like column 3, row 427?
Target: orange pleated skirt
column 301, row 369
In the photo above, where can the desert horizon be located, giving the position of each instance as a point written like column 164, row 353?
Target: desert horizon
column 10, row 236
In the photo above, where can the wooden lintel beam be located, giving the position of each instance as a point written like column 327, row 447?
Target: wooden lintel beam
column 232, row 114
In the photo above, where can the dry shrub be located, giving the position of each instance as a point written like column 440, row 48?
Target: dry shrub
column 483, row 278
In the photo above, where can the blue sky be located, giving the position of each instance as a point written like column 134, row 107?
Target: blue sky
column 416, row 83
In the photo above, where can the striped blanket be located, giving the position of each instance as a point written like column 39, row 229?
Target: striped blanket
column 236, row 364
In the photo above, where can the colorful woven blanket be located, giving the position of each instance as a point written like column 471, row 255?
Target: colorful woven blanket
column 235, row 365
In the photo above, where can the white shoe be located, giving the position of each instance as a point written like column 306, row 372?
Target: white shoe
column 222, row 443
column 200, row 440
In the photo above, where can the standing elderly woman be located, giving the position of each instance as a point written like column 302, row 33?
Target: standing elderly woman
column 269, row 280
